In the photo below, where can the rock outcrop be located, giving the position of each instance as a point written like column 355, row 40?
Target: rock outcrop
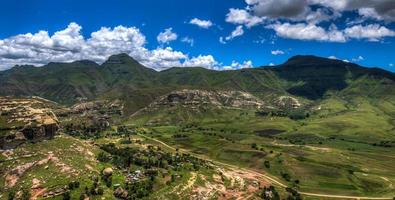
column 25, row 119
column 197, row 98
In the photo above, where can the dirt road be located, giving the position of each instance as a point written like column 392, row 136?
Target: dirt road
column 273, row 180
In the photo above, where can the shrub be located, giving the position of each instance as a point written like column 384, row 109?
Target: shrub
column 11, row 195
column 267, row 164
column 66, row 196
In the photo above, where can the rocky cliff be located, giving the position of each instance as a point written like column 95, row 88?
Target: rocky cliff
column 197, row 98
column 25, row 119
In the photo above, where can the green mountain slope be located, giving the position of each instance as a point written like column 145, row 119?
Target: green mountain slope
column 122, row 77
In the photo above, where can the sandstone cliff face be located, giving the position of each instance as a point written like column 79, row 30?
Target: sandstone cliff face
column 25, row 119
column 197, row 98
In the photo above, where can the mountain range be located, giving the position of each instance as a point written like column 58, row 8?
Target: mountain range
column 309, row 78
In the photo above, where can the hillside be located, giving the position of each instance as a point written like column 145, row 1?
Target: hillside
column 122, row 77
column 311, row 126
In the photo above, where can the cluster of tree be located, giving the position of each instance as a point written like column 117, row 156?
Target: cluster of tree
column 292, row 113
column 288, row 178
column 94, row 190
column 387, row 144
column 180, row 136
column 151, row 158
column 270, row 193
column 71, row 186
column 83, row 130
column 293, row 194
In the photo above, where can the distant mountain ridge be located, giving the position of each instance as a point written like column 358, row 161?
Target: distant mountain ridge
column 122, row 77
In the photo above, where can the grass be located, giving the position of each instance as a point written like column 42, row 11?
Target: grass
column 330, row 152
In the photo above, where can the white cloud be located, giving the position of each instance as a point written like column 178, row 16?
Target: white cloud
column 206, row 61
column 333, row 57
column 236, row 65
column 303, row 31
column 307, row 16
column 372, row 32
column 277, row 52
column 391, row 64
column 222, row 40
column 240, row 16
column 201, row 23
column 69, row 45
column 163, row 58
column 166, row 36
column 188, row 40
column 236, row 33
column 358, row 59
column 271, row 64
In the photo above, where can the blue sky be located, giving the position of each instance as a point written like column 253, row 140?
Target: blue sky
column 265, row 31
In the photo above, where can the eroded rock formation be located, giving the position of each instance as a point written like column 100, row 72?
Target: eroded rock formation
column 25, row 119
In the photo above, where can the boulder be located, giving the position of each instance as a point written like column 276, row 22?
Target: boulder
column 107, row 171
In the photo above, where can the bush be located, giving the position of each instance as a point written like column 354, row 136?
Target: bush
column 66, row 196
column 100, row 191
column 267, row 164
column 286, row 176
column 73, row 185
column 25, row 194
column 11, row 195
column 103, row 157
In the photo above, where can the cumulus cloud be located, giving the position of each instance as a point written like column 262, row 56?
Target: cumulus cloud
column 378, row 9
column 206, row 61
column 294, row 9
column 201, row 23
column 240, row 16
column 69, row 45
column 167, row 36
column 372, row 32
column 236, row 33
column 277, row 52
column 304, row 31
column 236, row 65
column 307, row 16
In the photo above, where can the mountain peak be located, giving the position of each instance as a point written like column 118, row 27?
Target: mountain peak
column 303, row 60
column 122, row 58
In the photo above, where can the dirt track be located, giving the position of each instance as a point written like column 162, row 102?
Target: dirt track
column 265, row 176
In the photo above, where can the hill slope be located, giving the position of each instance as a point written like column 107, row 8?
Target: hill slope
column 122, row 77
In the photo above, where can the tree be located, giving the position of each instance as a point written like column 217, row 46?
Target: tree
column 66, row 196
column 267, row 164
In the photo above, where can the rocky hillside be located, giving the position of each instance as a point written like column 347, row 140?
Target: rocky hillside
column 25, row 119
column 122, row 77
column 197, row 98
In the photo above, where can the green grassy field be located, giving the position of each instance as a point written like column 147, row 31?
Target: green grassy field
column 338, row 150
